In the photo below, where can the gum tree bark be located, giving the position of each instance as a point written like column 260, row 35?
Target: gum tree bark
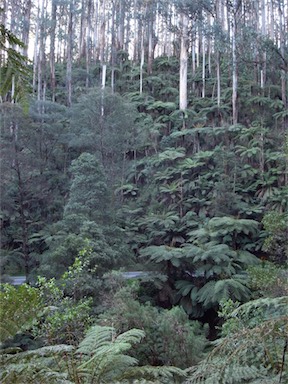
column 183, row 62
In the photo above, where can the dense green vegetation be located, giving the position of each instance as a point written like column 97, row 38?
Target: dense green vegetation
column 125, row 180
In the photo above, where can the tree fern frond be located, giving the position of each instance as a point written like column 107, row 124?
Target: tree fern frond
column 132, row 336
column 170, row 154
column 33, row 372
column 217, row 371
column 206, row 294
column 37, row 353
column 162, row 253
column 161, row 374
column 270, row 307
column 221, row 226
column 215, row 291
column 104, row 351
column 96, row 338
column 247, row 258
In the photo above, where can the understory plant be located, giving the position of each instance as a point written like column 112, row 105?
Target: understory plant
column 103, row 356
column 253, row 346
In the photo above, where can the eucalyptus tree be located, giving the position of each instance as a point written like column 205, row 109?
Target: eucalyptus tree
column 183, row 62
column 283, row 48
column 52, row 48
column 70, row 33
column 188, row 13
column 236, row 8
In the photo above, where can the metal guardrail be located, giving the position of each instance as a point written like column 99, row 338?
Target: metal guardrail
column 19, row 280
column 16, row 280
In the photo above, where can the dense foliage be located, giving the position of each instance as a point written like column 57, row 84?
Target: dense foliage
column 97, row 181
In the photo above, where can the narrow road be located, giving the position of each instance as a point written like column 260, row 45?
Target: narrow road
column 19, row 280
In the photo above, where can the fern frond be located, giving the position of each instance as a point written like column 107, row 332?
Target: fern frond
column 218, row 371
column 160, row 374
column 270, row 308
column 133, row 336
column 96, row 338
column 162, row 253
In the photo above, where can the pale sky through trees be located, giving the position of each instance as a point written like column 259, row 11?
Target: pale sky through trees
column 263, row 15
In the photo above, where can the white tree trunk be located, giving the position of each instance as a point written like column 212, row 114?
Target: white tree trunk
column 183, row 63
column 234, row 64
column 203, row 66
column 52, row 48
column 103, row 83
column 218, row 79
column 141, row 63
column 69, row 55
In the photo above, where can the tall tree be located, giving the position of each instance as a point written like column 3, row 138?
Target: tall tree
column 70, row 51
column 52, row 48
column 183, row 62
column 236, row 8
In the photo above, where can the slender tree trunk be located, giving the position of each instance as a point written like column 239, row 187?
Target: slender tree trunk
column 284, row 70
column 150, row 45
column 271, row 24
column 103, row 32
column 96, row 32
column 183, row 63
column 198, row 41
column 52, row 49
column 127, row 31
column 193, row 54
column 136, row 35
column 209, row 47
column 218, row 78
column 88, row 41
column 41, row 53
column 83, row 31
column 113, row 49
column 13, row 89
column 103, row 84
column 264, row 55
column 21, row 200
column 141, row 63
column 219, row 21
column 26, row 26
column 121, row 25
column 3, row 21
column 235, row 63
column 203, row 65
column 69, row 54
column 36, row 44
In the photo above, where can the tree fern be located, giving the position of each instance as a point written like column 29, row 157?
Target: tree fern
column 253, row 351
column 163, row 253
column 214, row 291
column 36, row 366
column 160, row 105
column 221, row 226
column 169, row 155
column 217, row 372
column 270, row 308
column 100, row 358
